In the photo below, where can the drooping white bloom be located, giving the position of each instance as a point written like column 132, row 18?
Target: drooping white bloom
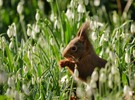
column 127, row 58
column 81, row 8
column 114, row 70
column 80, row 92
column 37, row 16
column 86, row 2
column 132, row 28
column 1, row 3
column 126, row 89
column 69, row 14
column 64, row 79
column 25, row 89
column 94, row 75
column 52, row 17
column 96, row 2
column 11, row 45
column 89, row 90
column 134, row 53
column 29, row 31
column 110, row 84
column 20, row 7
column 94, row 36
column 93, row 84
column 76, row 72
column 57, row 24
column 16, row 95
column 11, row 82
column 102, row 77
column 11, row 30
column 3, row 77
column 37, row 29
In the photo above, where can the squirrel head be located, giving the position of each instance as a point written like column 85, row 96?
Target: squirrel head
column 80, row 46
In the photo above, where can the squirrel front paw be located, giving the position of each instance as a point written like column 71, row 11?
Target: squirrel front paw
column 66, row 62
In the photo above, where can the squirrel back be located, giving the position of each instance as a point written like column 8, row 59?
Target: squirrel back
column 80, row 51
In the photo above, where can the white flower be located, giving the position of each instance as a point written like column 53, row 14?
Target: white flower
column 112, row 55
column 69, row 14
column 37, row 16
column 94, row 36
column 50, row 1
column 81, row 8
column 132, row 28
column 37, row 29
column 11, row 45
column 9, row 92
column 134, row 53
column 21, row 96
column 80, row 92
column 102, row 77
column 11, row 30
column 11, row 82
column 127, row 58
column 26, row 69
column 29, row 31
column 1, row 3
column 115, row 17
column 110, row 84
column 25, row 89
column 64, row 79
column 16, row 95
column 52, row 17
column 89, row 90
column 57, row 24
column 96, row 2
column 94, row 75
column 93, row 84
column 76, row 72
column 52, row 41
column 101, row 40
column 114, row 70
column 20, row 7
column 126, row 89
column 86, row 2
column 3, row 77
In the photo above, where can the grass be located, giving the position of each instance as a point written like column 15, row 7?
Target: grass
column 29, row 65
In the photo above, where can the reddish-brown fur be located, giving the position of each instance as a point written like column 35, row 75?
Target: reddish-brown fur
column 80, row 52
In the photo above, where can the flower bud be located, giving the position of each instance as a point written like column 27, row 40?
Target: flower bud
column 20, row 7
column 81, row 8
column 94, row 75
column 102, row 77
column 127, row 58
column 37, row 16
column 25, row 89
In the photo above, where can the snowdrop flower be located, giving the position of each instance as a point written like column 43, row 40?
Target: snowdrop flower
column 11, row 30
column 11, row 45
column 134, row 53
column 1, row 3
column 25, row 89
column 96, row 2
column 26, row 69
column 52, row 17
column 101, row 40
column 112, row 55
column 16, row 95
column 127, row 58
column 102, row 77
column 69, row 14
column 132, row 28
column 57, row 24
column 3, row 77
column 21, row 96
column 86, row 2
column 94, row 36
column 80, row 92
column 9, row 92
column 49, row 1
column 37, row 16
column 20, row 7
column 81, row 8
column 93, row 84
column 89, row 90
column 76, row 72
column 94, row 75
column 110, row 84
column 114, row 70
column 64, row 79
column 52, row 42
column 126, row 89
column 36, row 28
column 115, row 17
column 29, row 31
column 11, row 82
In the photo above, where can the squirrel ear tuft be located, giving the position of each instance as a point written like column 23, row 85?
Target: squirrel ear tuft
column 82, row 33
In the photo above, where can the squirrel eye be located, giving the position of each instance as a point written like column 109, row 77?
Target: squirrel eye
column 74, row 48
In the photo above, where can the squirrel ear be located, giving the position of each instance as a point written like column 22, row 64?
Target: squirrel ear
column 82, row 33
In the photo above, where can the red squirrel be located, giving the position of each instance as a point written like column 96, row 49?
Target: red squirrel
column 80, row 52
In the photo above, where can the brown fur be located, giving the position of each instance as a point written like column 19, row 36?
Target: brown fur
column 80, row 52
